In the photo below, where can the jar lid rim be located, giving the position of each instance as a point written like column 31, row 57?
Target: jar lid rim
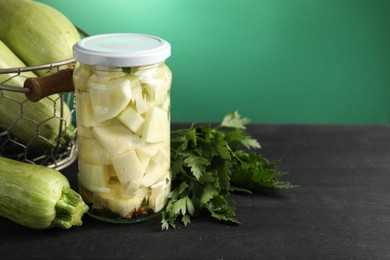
column 121, row 50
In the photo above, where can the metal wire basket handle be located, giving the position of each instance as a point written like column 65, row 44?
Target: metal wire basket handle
column 40, row 87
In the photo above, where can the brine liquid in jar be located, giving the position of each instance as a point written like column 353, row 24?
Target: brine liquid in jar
column 122, row 91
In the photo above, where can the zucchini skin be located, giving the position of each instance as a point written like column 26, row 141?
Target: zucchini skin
column 36, row 33
column 38, row 197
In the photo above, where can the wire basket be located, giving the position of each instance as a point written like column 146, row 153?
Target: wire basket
column 59, row 154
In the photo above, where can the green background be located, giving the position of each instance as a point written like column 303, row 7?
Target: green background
column 275, row 61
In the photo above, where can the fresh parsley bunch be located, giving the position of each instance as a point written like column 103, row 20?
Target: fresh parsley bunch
column 210, row 162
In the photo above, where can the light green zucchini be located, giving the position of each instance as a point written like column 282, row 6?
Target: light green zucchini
column 38, row 197
column 36, row 33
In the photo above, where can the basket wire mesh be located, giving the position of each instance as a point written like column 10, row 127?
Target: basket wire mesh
column 59, row 155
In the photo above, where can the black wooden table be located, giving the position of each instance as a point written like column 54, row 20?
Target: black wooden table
column 340, row 211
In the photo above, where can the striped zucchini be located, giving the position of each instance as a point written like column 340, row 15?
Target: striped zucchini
column 36, row 33
column 38, row 197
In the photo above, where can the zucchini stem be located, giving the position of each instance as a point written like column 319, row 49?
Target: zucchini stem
column 69, row 209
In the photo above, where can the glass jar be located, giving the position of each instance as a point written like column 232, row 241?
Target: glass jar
column 122, row 91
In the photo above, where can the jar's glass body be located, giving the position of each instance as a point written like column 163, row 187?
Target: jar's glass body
column 123, row 125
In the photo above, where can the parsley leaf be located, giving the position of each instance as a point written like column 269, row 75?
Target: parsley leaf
column 208, row 164
column 197, row 164
column 234, row 120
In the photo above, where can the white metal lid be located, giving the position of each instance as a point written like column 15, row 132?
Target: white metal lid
column 121, row 50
